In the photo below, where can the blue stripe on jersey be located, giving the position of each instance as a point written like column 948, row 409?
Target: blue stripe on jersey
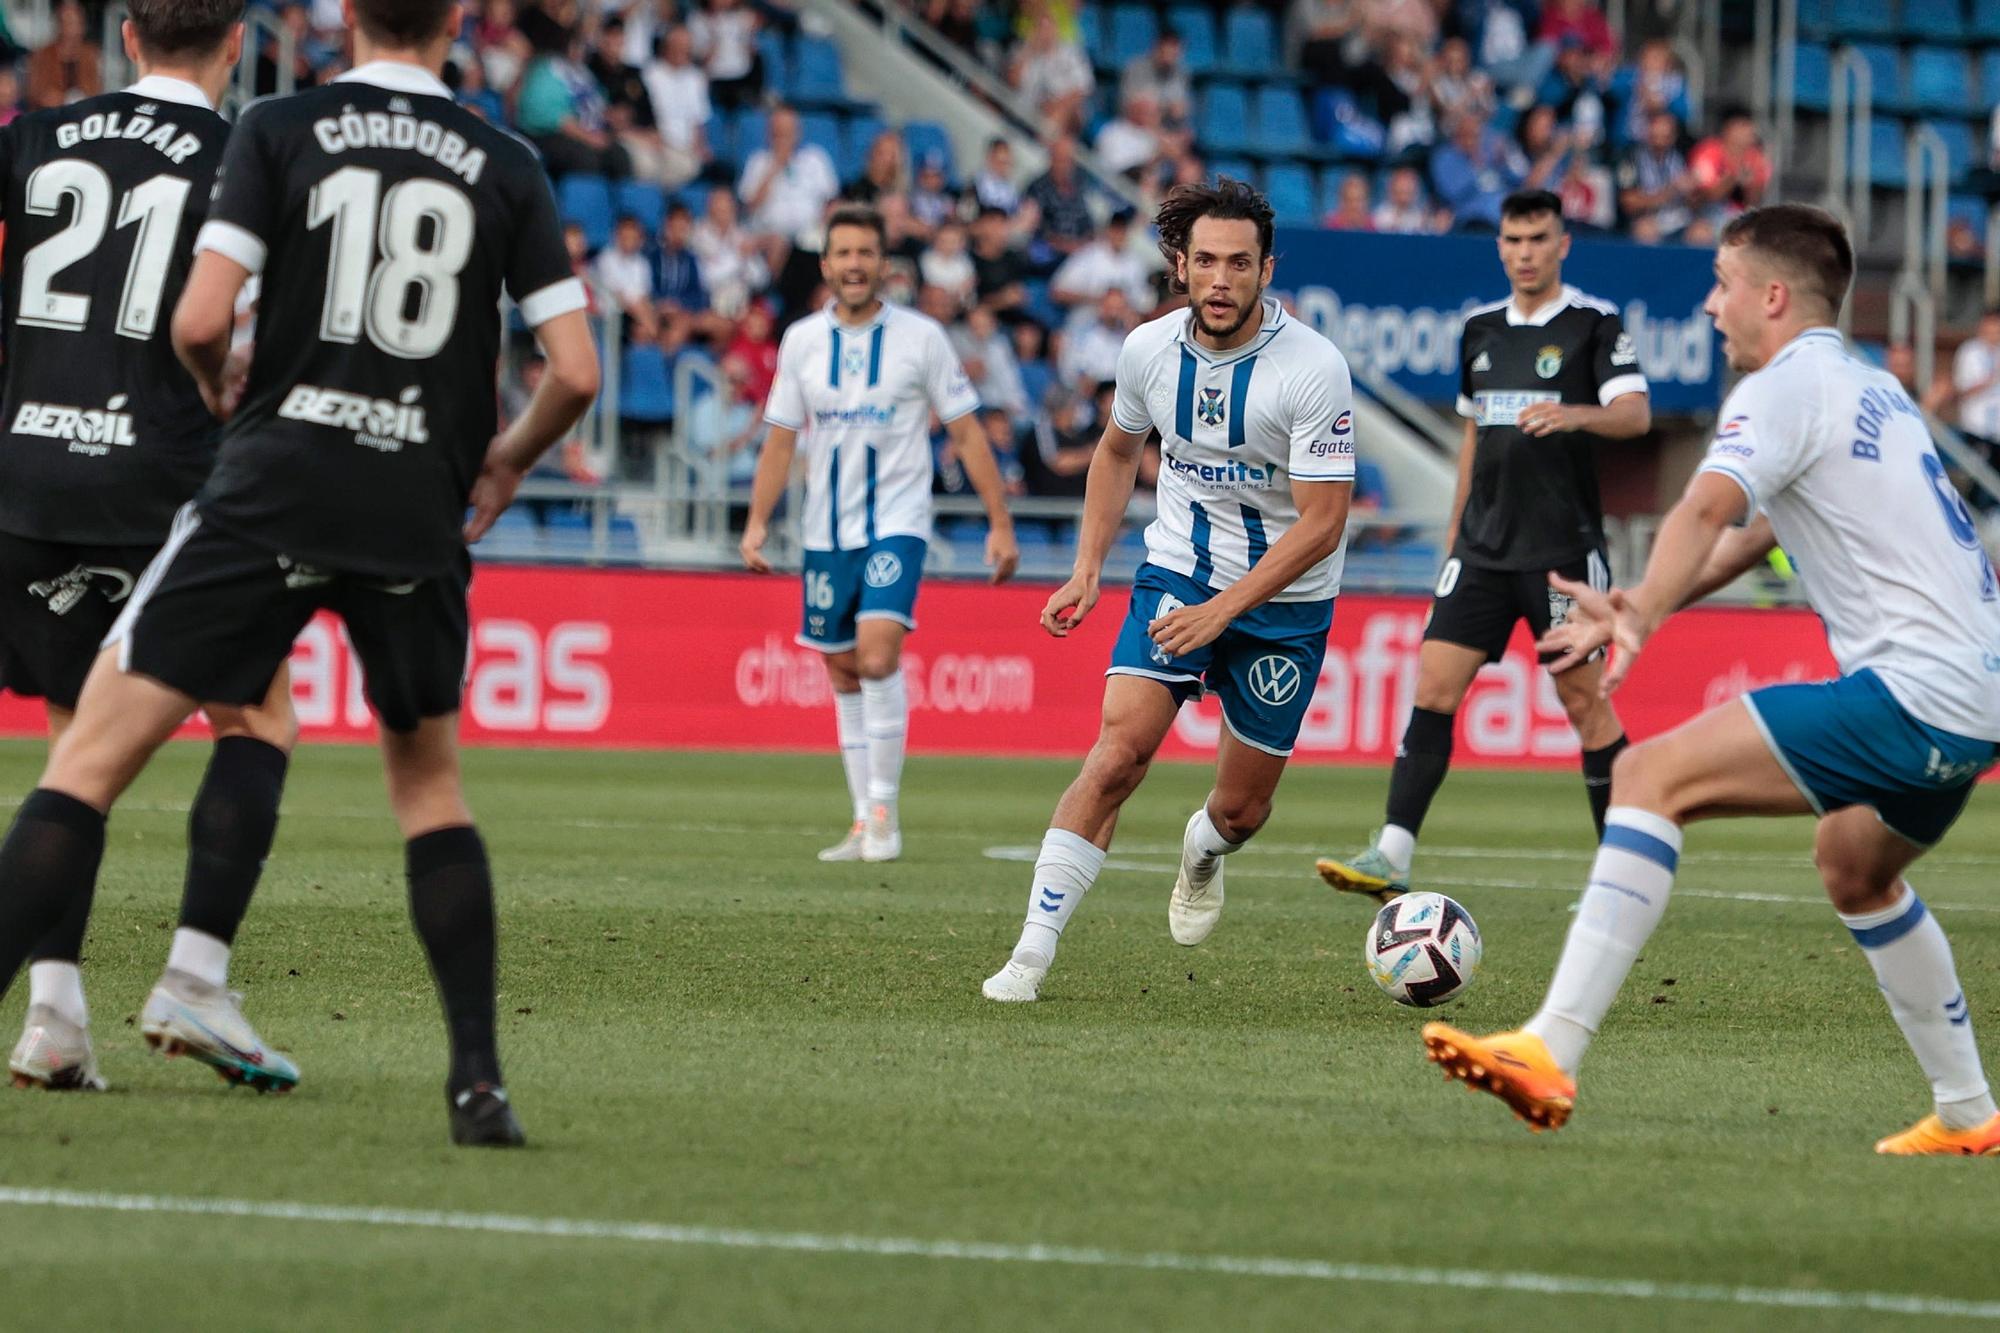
column 871, row 467
column 833, row 480
column 1239, row 398
column 833, row 362
column 1204, row 565
column 1184, row 399
column 874, row 364
column 1253, row 528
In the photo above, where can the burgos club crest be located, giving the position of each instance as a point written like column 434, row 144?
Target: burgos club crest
column 1549, row 362
column 1209, row 407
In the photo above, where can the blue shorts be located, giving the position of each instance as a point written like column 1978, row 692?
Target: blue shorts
column 1264, row 668
column 875, row 582
column 1848, row 742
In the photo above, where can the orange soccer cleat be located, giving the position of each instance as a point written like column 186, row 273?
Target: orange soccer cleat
column 1514, row 1066
column 1929, row 1138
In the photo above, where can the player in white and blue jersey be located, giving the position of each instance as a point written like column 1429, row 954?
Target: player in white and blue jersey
column 1255, row 413
column 860, row 381
column 1828, row 457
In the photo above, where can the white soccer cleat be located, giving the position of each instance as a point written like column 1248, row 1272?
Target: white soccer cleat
column 881, row 839
column 1197, row 902
column 1015, row 984
column 848, row 848
column 187, row 1016
column 54, row 1053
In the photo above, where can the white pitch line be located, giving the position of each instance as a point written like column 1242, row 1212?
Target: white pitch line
column 907, row 1247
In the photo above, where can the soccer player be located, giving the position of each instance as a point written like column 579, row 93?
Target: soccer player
column 1542, row 375
column 385, row 221
column 861, row 380
column 105, row 437
column 1828, row 457
column 1255, row 415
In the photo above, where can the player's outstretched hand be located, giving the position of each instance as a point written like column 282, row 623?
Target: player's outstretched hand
column 1003, row 554
column 752, row 548
column 492, row 492
column 1181, row 632
column 1584, row 630
column 1069, row 605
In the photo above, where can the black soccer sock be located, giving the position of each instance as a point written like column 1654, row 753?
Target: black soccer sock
column 451, row 902
column 1422, row 760
column 230, row 829
column 64, row 943
column 48, row 875
column 1597, row 780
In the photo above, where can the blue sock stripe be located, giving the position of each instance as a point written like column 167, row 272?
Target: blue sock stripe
column 1627, row 839
column 1875, row 937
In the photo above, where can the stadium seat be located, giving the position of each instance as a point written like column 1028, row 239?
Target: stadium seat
column 822, row 129
column 1885, row 72
column 1279, row 123
column 1250, row 43
column 587, row 200
column 645, row 385
column 1196, row 25
column 1289, row 187
column 1236, row 168
column 513, row 536
column 857, row 134
column 1816, row 19
column 777, row 65
column 1989, row 76
column 1223, row 119
column 1968, row 210
column 625, row 546
column 1864, row 18
column 1812, row 76
column 1960, row 149
column 566, row 533
column 749, row 131
column 816, row 75
column 1091, row 28
column 1134, row 28
column 1933, row 20
column 644, row 201
column 1940, row 80
column 1985, row 18
column 1887, row 163
column 923, row 137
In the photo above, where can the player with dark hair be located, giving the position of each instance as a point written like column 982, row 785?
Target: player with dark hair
column 1543, row 376
column 106, row 436
column 860, row 380
column 1256, row 418
column 1826, row 455
column 385, row 220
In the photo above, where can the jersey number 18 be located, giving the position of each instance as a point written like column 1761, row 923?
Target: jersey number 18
column 407, row 301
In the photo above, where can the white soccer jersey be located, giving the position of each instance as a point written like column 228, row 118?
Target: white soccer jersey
column 1841, row 460
column 1236, row 430
column 861, row 399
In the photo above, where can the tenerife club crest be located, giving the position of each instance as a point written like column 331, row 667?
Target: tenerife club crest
column 1208, row 406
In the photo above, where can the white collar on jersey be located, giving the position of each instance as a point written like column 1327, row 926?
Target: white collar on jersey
column 1817, row 333
column 163, row 88
column 832, row 309
column 1274, row 319
column 397, row 76
column 1564, row 299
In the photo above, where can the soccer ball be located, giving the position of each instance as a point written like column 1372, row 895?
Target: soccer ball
column 1422, row 950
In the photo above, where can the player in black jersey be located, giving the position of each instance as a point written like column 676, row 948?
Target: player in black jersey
column 1543, row 375
column 105, row 437
column 385, row 221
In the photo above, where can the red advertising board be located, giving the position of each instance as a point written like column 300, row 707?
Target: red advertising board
column 600, row 658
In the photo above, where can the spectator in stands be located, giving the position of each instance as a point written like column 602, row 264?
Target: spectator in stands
column 1578, row 20
column 1900, row 360
column 756, row 346
column 1091, row 347
column 987, row 354
column 1108, row 261
column 467, row 81
column 646, row 23
column 1499, row 31
column 1589, row 199
column 1403, row 210
column 10, row 95
column 1658, row 84
column 732, row 263
column 678, row 90
column 623, row 270
column 67, row 69
column 786, row 186
column 1353, row 212
column 931, row 202
column 906, row 238
column 678, row 294
column 1401, row 88
column 1384, row 20
column 576, row 244
column 1058, row 445
column 1474, row 172
column 1130, row 142
column 1456, row 86
column 1053, row 76
column 882, row 172
column 957, row 21
column 1656, row 189
column 1975, row 382
column 1001, row 271
column 1322, row 38
column 1061, row 201
column 947, row 265
column 563, row 113
column 1031, row 344
column 1576, row 89
column 1162, row 75
column 504, row 50
column 1545, row 145
column 993, row 185
column 1731, row 168
column 724, row 34
column 297, row 20
column 629, row 111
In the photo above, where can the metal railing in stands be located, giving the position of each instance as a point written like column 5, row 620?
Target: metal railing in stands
column 1927, row 166
column 1993, row 255
column 1850, row 153
column 1785, row 86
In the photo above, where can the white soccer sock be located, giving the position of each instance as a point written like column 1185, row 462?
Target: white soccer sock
column 1629, row 883
column 59, row 985
column 1398, row 844
column 200, row 955
column 1064, row 871
column 1912, row 962
column 1206, row 841
column 887, row 709
column 853, row 732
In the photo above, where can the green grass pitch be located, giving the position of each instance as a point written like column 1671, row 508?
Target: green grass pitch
column 704, row 1027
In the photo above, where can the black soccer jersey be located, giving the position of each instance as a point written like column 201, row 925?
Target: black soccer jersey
column 385, row 220
column 106, row 434
column 1532, row 502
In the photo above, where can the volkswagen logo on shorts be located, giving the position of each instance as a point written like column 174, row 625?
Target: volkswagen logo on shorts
column 1274, row 679
column 883, row 570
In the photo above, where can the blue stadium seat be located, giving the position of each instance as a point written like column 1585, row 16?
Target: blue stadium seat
column 1815, row 18
column 1885, row 69
column 1223, row 119
column 587, row 200
column 512, row 537
column 816, row 76
column 645, row 385
column 1934, row 20
column 1091, row 28
column 624, row 539
column 1250, row 43
column 1812, row 76
column 777, row 62
column 1196, row 25
column 1960, row 149
column 1280, row 122
column 857, row 135
column 923, row 137
column 1369, row 479
column 821, row 128
column 1941, row 80
column 1864, row 18
column 1888, row 165
column 1236, row 168
column 644, row 201
column 1968, row 210
column 1985, row 17
column 1989, row 75
column 1289, row 187
column 749, row 131
column 1134, row 29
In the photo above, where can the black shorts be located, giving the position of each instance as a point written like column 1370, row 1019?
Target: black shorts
column 1477, row 608
column 215, row 616
column 57, row 602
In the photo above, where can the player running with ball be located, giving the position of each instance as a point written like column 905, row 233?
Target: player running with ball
column 1256, row 421
column 1828, row 457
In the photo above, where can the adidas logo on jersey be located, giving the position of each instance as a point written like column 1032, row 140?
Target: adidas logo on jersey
column 1481, row 363
column 88, row 430
column 378, row 423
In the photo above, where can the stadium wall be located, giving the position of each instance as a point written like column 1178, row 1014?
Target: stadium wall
column 641, row 659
